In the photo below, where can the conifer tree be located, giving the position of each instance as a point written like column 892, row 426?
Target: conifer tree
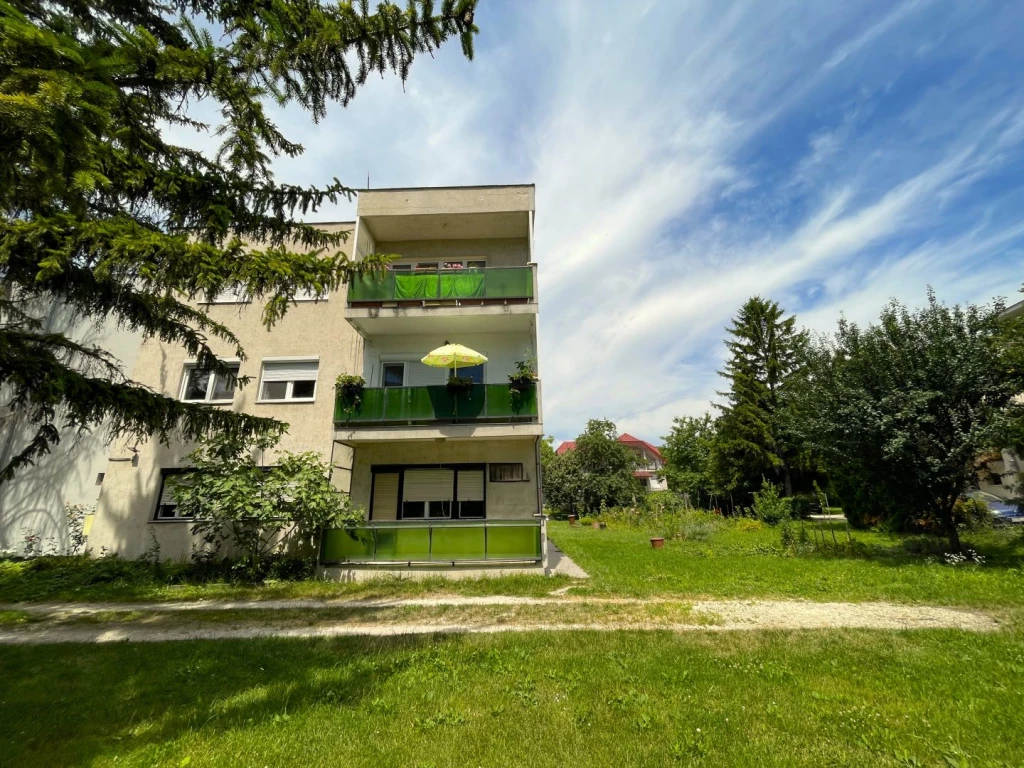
column 101, row 211
column 752, row 438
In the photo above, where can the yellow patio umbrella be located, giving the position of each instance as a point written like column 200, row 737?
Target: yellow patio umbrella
column 450, row 355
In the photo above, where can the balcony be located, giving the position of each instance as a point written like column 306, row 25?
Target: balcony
column 449, row 542
column 482, row 403
column 488, row 285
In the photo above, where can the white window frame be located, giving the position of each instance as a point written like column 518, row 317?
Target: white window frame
column 191, row 365
column 289, row 383
column 310, row 296
column 228, row 297
column 385, row 363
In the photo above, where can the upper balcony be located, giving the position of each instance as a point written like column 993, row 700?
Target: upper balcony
column 486, row 298
column 462, row 261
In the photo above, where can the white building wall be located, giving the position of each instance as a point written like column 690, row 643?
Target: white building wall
column 72, row 473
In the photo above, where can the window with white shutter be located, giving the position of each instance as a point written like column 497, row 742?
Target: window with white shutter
column 385, row 496
column 289, row 380
column 427, row 492
column 470, row 493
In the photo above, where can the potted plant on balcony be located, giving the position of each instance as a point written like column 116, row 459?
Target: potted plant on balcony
column 459, row 385
column 350, row 390
column 523, row 380
column 525, row 376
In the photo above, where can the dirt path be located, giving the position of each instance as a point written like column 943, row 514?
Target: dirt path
column 162, row 622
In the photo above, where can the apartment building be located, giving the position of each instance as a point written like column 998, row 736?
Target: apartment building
column 448, row 478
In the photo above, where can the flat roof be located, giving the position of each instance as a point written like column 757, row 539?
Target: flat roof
column 446, row 186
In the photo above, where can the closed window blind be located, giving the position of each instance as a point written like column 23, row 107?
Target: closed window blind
column 471, row 485
column 304, row 370
column 385, row 496
column 419, row 375
column 428, row 485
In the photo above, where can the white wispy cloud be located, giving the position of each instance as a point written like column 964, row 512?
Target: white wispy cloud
column 688, row 156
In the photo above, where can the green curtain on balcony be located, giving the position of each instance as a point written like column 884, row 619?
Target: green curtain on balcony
column 462, row 284
column 416, row 286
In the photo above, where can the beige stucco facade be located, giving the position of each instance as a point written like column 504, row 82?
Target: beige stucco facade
column 490, row 223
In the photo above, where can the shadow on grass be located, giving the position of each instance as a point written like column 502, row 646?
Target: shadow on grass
column 76, row 704
column 833, row 540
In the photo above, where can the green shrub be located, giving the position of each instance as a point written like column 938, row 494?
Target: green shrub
column 802, row 505
column 769, row 506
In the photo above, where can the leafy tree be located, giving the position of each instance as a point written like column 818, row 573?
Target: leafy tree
column 688, row 452
column 901, row 410
column 241, row 506
column 753, row 439
column 101, row 211
column 599, row 471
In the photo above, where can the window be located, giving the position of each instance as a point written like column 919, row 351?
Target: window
column 428, row 493
column 199, row 386
column 309, row 296
column 426, row 266
column 235, row 295
column 401, row 267
column 506, row 473
column 393, row 374
column 166, row 506
column 289, row 380
column 454, row 491
column 99, row 477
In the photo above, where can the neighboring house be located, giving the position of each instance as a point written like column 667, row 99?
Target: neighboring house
column 650, row 460
column 32, row 504
column 446, row 480
column 650, row 463
column 1004, row 473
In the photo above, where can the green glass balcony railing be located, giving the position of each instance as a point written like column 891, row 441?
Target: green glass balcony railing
column 481, row 403
column 434, row 541
column 442, row 284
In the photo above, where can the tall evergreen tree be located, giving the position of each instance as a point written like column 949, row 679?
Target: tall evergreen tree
column 753, row 440
column 99, row 209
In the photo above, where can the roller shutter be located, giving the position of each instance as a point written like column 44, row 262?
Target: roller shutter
column 428, row 485
column 296, row 370
column 471, row 485
column 385, row 496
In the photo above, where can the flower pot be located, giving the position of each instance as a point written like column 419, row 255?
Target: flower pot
column 657, row 542
column 574, row 520
column 598, row 526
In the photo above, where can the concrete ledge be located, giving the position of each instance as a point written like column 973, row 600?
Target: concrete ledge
column 350, row 573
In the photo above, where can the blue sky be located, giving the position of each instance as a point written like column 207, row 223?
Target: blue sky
column 688, row 155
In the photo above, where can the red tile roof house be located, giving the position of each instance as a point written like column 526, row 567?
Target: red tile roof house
column 651, row 460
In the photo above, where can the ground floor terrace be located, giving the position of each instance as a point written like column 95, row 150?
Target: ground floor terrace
column 466, row 501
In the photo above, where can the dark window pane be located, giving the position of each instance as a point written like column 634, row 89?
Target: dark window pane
column 224, row 386
column 394, row 375
column 197, row 384
column 413, row 509
column 301, row 389
column 166, row 511
column 274, row 390
column 474, row 372
column 471, row 509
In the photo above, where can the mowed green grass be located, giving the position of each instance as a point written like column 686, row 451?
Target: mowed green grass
column 547, row 699
column 741, row 564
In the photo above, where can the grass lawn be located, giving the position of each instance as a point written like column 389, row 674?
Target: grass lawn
column 735, row 563
column 581, row 699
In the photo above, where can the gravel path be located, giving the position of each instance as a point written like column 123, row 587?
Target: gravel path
column 727, row 615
